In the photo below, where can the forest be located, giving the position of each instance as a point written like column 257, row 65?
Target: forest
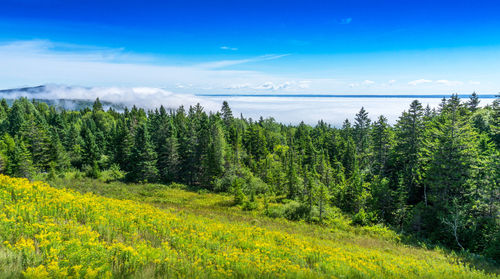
column 434, row 175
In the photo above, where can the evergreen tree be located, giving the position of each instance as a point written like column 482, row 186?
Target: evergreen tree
column 323, row 200
column 362, row 137
column 143, row 157
column 473, row 103
column 409, row 152
column 97, row 106
column 381, row 138
column 215, row 160
column 22, row 164
column 90, row 149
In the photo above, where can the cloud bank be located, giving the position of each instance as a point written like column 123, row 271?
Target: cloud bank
column 145, row 97
column 283, row 109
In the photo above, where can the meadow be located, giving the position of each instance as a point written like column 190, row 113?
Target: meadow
column 58, row 232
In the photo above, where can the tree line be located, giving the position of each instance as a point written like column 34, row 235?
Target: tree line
column 435, row 174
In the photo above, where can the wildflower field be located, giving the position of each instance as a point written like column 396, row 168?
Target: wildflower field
column 46, row 232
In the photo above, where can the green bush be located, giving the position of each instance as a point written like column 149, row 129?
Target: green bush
column 363, row 218
column 295, row 211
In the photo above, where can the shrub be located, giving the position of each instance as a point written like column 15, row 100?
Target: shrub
column 295, row 211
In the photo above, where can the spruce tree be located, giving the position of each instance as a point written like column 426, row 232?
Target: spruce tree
column 409, row 151
column 143, row 157
column 168, row 157
column 362, row 137
column 22, row 164
column 215, row 159
column 473, row 103
column 381, row 139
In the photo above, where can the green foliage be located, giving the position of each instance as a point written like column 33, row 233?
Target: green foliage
column 433, row 175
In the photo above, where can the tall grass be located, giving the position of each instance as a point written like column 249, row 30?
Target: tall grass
column 60, row 233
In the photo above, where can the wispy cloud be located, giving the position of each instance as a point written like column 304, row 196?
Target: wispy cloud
column 28, row 63
column 228, row 63
column 419, row 81
column 449, row 82
column 346, row 20
column 272, row 86
column 238, row 86
column 304, row 84
column 228, row 48
column 41, row 62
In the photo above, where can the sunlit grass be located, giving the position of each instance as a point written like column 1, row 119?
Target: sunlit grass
column 61, row 233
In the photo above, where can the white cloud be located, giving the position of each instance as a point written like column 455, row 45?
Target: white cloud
column 146, row 97
column 239, row 86
column 346, row 20
column 28, row 63
column 228, row 48
column 228, row 63
column 283, row 109
column 449, row 82
column 474, row 82
column 419, row 81
column 304, row 84
column 272, row 86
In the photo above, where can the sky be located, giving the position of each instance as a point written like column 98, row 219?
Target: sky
column 363, row 47
column 184, row 48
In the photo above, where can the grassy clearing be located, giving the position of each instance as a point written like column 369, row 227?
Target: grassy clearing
column 45, row 231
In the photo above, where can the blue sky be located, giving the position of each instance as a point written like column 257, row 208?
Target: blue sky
column 254, row 46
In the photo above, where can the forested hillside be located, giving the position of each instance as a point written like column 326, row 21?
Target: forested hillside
column 433, row 175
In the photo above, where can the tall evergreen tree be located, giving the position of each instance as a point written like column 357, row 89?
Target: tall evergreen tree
column 381, row 138
column 143, row 157
column 362, row 137
column 473, row 103
column 409, row 151
column 22, row 164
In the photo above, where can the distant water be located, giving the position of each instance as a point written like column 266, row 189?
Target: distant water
column 462, row 96
column 333, row 109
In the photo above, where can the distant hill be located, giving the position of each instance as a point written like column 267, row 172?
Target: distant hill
column 45, row 94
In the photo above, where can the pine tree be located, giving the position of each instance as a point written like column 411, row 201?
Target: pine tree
column 362, row 137
column 22, row 164
column 16, row 117
column 453, row 155
column 215, row 160
column 349, row 160
column 293, row 180
column 143, row 157
column 38, row 141
column 97, row 106
column 381, row 139
column 409, row 151
column 473, row 103
column 323, row 200
column 168, row 156
column 227, row 114
column 123, row 143
column 90, row 149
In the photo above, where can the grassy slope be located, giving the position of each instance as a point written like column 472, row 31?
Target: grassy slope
column 155, row 230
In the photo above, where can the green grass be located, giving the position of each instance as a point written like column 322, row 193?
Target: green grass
column 221, row 208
